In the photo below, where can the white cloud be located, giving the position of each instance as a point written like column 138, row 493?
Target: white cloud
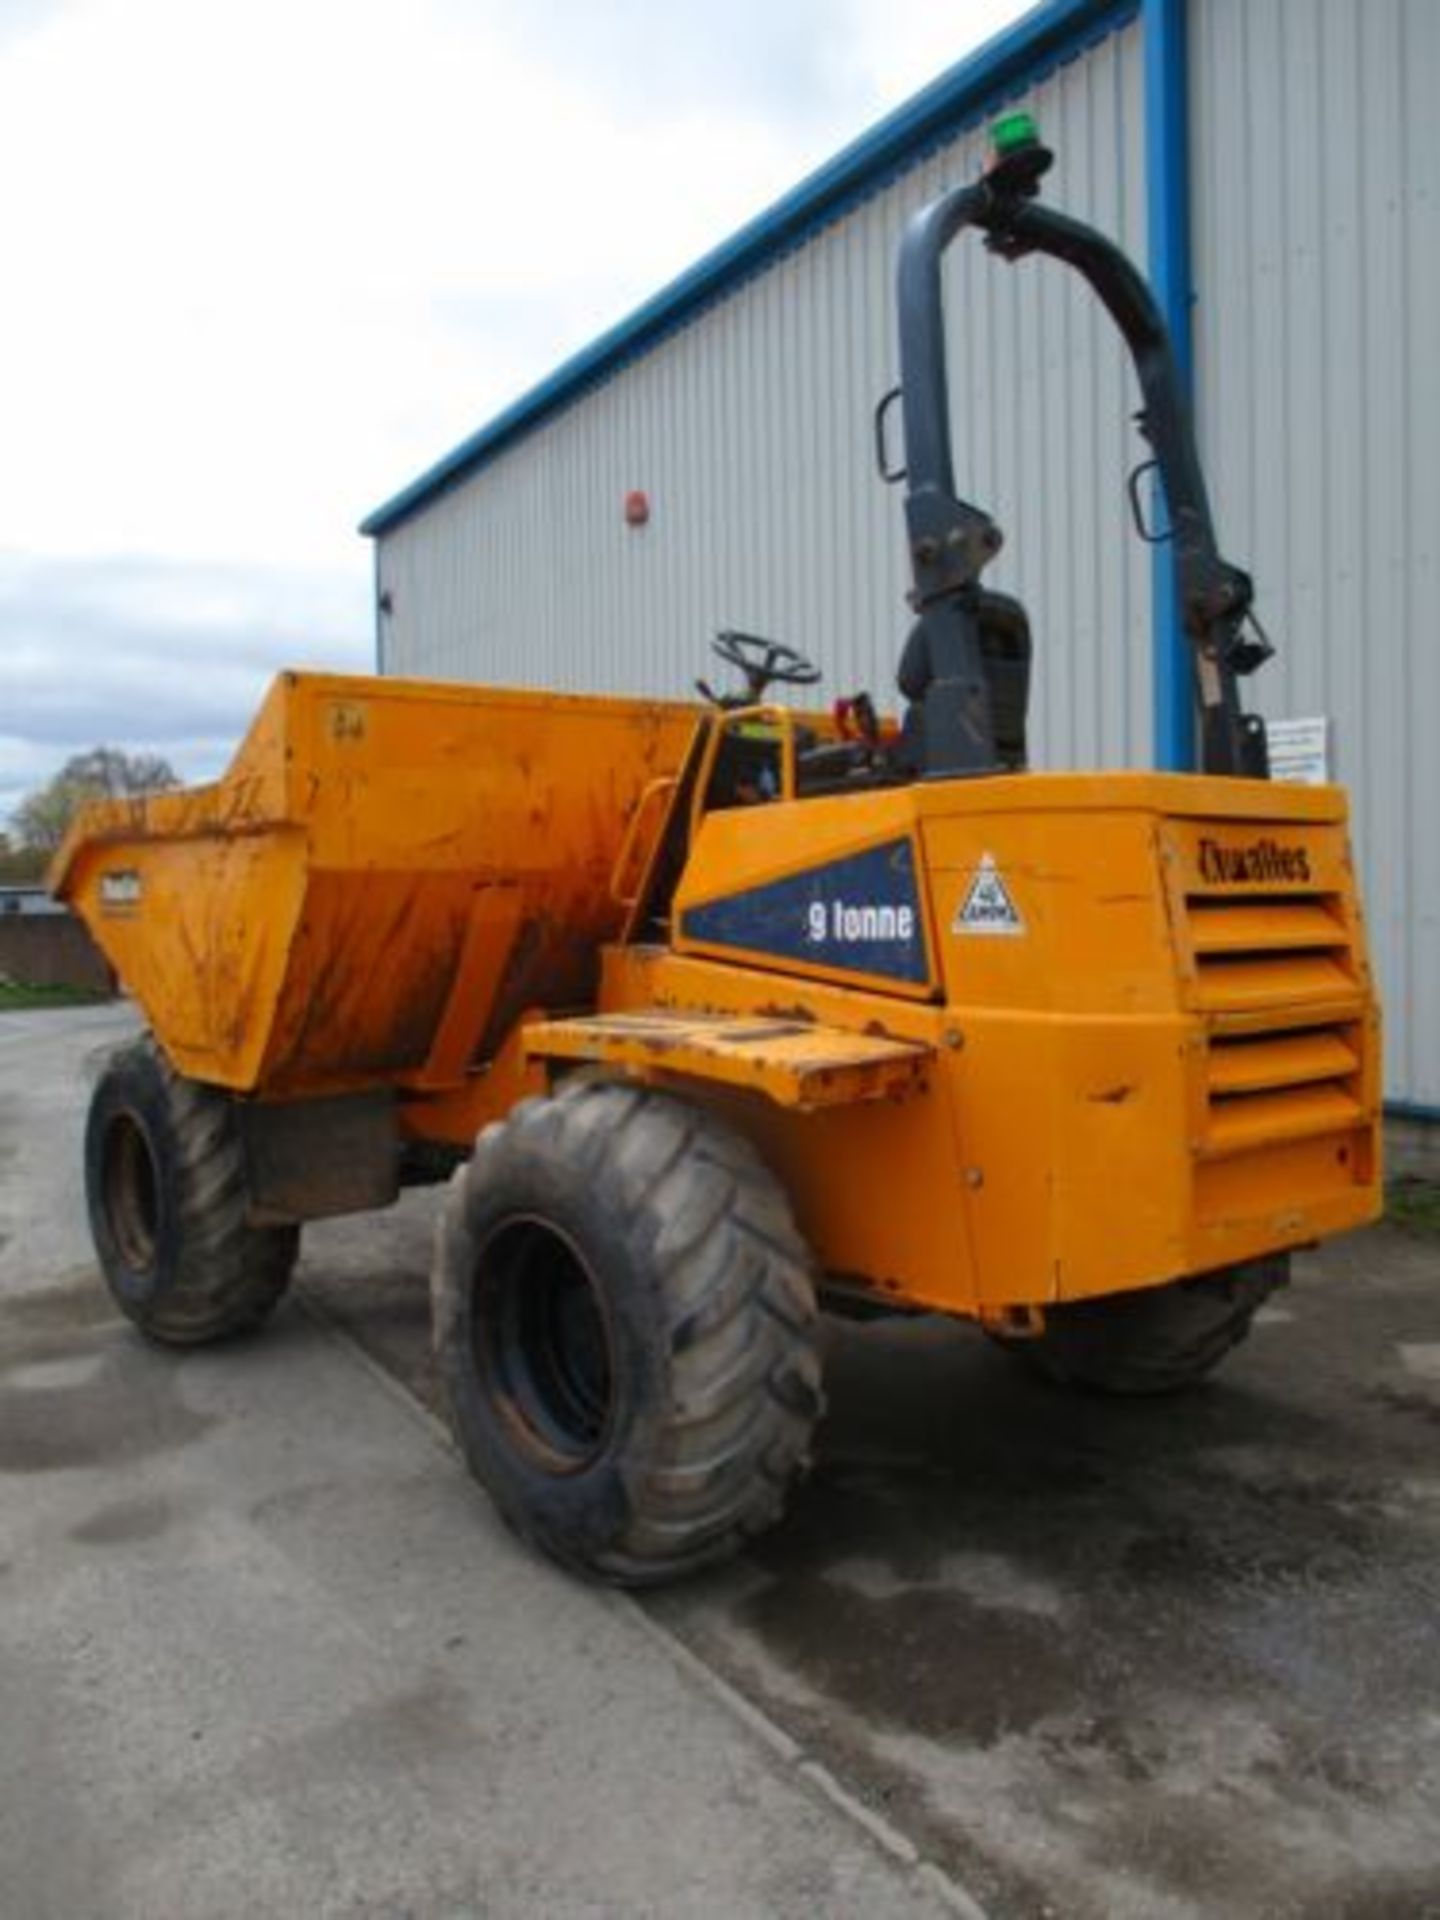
column 155, row 656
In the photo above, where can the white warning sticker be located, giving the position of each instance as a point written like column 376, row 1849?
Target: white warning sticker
column 120, row 887
column 986, row 906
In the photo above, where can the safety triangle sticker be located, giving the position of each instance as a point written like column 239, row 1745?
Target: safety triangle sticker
column 987, row 906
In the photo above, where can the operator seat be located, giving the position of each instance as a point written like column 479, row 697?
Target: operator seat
column 1006, row 650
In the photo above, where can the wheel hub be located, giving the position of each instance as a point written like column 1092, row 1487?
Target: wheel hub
column 130, row 1187
column 542, row 1339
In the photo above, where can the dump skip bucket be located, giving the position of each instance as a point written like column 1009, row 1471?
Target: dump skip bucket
column 387, row 874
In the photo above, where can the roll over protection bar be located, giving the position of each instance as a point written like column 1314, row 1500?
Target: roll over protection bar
column 952, row 540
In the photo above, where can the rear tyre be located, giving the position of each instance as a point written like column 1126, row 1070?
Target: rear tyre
column 165, row 1187
column 625, row 1325
column 1156, row 1341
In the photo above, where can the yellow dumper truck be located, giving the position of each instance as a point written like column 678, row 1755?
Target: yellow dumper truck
column 713, row 1012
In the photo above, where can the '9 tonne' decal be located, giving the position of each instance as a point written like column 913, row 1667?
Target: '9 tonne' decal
column 860, row 914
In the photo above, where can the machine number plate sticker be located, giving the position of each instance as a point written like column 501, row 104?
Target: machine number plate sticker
column 986, row 905
column 346, row 719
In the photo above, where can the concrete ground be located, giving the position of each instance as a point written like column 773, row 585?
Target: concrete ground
column 261, row 1646
column 264, row 1650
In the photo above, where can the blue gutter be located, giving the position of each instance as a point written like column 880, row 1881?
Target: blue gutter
column 1045, row 38
column 1412, row 1110
column 1167, row 174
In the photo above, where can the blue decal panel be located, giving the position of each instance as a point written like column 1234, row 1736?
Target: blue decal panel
column 860, row 914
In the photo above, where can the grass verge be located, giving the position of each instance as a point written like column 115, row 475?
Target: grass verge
column 1415, row 1206
column 16, row 997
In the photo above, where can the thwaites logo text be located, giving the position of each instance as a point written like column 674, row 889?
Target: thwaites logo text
column 1262, row 862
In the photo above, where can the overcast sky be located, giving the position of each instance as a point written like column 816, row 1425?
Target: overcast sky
column 265, row 260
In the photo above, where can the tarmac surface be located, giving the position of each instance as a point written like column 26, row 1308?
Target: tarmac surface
column 1014, row 1650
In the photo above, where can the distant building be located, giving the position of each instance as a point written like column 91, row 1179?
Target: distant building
column 28, row 900
column 1275, row 165
column 43, row 944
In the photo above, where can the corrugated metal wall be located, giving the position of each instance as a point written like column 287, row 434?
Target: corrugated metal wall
column 1316, row 236
column 750, row 431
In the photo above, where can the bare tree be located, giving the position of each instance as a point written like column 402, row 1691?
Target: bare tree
column 42, row 818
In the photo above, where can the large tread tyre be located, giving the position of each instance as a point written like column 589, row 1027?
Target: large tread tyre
column 1157, row 1341
column 165, row 1187
column 625, row 1323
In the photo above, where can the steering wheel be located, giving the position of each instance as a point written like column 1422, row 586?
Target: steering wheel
column 764, row 662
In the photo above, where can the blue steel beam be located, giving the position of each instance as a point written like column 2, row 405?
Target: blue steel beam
column 1167, row 174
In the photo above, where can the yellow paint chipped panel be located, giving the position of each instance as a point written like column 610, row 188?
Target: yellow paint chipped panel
column 794, row 1063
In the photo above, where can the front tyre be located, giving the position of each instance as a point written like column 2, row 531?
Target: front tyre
column 1158, row 1340
column 166, row 1192
column 625, row 1324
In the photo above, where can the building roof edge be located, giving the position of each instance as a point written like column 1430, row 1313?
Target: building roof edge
column 1046, row 36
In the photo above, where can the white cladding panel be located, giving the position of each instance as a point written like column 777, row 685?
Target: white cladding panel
column 1316, row 246
column 750, row 430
